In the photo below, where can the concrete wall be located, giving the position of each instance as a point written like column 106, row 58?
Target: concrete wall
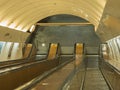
column 114, row 49
column 111, row 52
column 110, row 23
column 11, row 51
column 11, row 35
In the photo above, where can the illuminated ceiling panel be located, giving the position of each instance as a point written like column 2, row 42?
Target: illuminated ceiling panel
column 22, row 14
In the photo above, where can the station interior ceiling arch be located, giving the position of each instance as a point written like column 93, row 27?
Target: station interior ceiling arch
column 22, row 14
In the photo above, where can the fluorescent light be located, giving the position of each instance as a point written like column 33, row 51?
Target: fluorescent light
column 12, row 26
column 4, row 23
column 43, row 44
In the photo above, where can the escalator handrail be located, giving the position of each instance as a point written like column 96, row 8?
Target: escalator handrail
column 71, row 75
column 16, row 62
column 21, row 67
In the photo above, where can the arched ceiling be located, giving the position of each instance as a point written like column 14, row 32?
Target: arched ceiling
column 22, row 14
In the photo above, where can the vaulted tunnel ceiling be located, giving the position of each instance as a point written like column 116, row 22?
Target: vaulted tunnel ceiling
column 22, row 14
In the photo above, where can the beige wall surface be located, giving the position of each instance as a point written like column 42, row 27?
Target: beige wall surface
column 110, row 23
column 11, row 35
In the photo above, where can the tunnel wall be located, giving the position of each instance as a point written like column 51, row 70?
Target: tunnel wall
column 11, row 35
column 11, row 51
column 109, row 26
column 11, row 43
column 16, row 51
column 109, row 31
column 114, row 51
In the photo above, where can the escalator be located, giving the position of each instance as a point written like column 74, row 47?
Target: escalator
column 80, row 72
column 94, row 79
column 56, row 78
column 88, row 77
column 14, row 74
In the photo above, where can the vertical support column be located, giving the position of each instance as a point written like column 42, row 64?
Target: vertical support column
column 52, row 51
column 33, row 52
column 78, row 53
column 27, row 50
